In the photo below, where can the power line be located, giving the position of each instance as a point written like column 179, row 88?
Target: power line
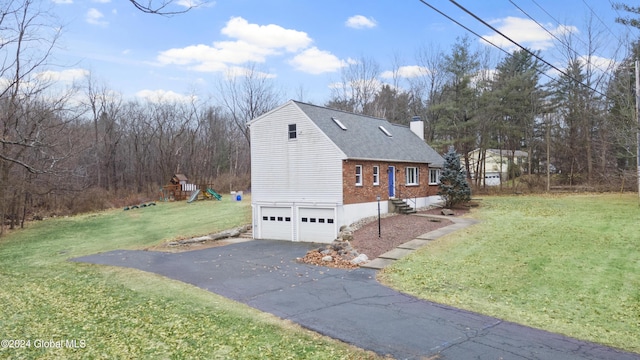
column 585, row 58
column 620, row 17
column 482, row 37
column 556, row 20
column 602, row 22
column 464, row 27
column 563, row 42
column 522, row 47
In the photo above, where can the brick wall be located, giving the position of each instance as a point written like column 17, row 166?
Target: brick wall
column 368, row 192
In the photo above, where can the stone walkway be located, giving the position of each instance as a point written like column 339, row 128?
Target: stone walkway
column 407, row 248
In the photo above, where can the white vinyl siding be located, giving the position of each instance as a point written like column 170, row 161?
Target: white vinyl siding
column 412, row 176
column 307, row 169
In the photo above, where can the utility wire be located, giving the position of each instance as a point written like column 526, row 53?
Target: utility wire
column 557, row 21
column 478, row 35
column 602, row 22
column 522, row 47
column 585, row 58
column 464, row 27
column 614, row 7
column 563, row 42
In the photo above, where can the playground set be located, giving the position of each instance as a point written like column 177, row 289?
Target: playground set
column 180, row 189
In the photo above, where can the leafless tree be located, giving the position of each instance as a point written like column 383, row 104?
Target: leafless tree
column 165, row 7
column 589, row 130
column 358, row 87
column 428, row 87
column 34, row 119
column 246, row 95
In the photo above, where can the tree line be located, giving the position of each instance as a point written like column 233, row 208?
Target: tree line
column 577, row 120
column 82, row 147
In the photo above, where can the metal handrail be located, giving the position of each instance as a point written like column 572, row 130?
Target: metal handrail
column 409, row 198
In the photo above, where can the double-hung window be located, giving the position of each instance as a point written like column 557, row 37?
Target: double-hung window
column 376, row 175
column 358, row 175
column 293, row 134
column 412, row 176
column 434, row 176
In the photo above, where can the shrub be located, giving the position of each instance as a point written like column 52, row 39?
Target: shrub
column 453, row 186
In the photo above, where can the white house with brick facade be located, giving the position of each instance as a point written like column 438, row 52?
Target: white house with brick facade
column 314, row 169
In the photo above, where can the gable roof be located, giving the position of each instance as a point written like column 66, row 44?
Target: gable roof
column 364, row 139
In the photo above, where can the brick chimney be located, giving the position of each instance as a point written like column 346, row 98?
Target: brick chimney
column 417, row 126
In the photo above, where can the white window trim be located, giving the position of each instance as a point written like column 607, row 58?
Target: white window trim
column 295, row 132
column 437, row 171
column 376, row 175
column 358, row 175
column 416, row 173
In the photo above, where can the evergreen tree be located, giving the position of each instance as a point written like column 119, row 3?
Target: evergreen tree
column 453, row 187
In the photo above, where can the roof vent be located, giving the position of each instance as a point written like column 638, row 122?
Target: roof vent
column 339, row 123
column 385, row 131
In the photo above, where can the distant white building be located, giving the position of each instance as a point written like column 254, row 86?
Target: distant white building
column 493, row 159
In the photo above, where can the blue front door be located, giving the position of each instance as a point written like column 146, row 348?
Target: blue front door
column 392, row 181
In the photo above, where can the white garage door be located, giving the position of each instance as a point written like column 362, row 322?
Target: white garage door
column 317, row 225
column 275, row 223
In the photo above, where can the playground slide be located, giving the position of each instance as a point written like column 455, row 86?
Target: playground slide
column 214, row 194
column 194, row 195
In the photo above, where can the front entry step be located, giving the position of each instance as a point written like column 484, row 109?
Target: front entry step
column 402, row 207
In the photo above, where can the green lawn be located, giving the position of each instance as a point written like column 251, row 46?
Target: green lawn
column 567, row 264
column 117, row 313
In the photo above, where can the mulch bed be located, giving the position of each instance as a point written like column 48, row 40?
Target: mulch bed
column 394, row 231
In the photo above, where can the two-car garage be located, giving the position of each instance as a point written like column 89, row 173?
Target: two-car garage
column 296, row 223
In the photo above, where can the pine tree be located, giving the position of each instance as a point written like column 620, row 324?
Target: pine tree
column 453, row 187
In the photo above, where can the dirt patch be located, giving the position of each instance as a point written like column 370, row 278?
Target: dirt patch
column 165, row 247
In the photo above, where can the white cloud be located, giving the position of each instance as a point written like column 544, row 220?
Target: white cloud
column 600, row 63
column 191, row 3
column 101, row 1
column 527, row 33
column 410, row 71
column 51, row 84
column 62, row 1
column 370, row 84
column 360, row 22
column 252, row 43
column 237, row 71
column 206, row 58
column 161, row 96
column 315, row 61
column 266, row 36
column 66, row 76
column 95, row 17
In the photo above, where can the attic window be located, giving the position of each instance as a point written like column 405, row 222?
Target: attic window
column 339, row 123
column 385, row 131
column 292, row 132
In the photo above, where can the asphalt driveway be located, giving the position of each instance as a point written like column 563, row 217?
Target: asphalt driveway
column 351, row 305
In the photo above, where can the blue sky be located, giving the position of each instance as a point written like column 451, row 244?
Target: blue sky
column 302, row 45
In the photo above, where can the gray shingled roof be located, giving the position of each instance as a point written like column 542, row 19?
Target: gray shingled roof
column 364, row 140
